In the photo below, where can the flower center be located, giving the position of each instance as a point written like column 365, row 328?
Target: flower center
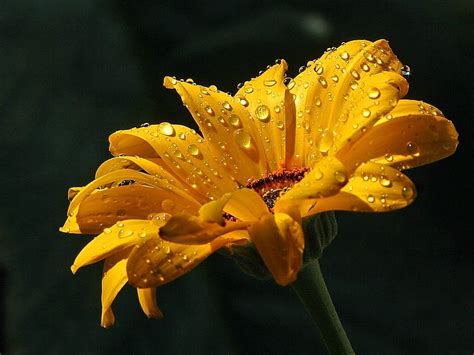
column 275, row 184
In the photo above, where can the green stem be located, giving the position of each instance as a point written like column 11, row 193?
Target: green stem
column 312, row 291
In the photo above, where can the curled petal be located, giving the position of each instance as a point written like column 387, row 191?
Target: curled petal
column 115, row 239
column 371, row 188
column 113, row 279
column 279, row 240
column 156, row 261
column 147, row 299
column 412, row 134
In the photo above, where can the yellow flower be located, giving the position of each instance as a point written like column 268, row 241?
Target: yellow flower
column 335, row 137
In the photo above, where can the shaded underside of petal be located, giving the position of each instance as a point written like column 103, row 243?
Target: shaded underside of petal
column 412, row 134
column 272, row 107
column 280, row 242
column 113, row 279
column 326, row 92
column 156, row 261
column 115, row 239
column 184, row 153
column 372, row 187
column 147, row 299
column 227, row 126
column 104, row 202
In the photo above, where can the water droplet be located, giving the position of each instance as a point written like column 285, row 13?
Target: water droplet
column 269, row 83
column 389, row 157
column 364, row 67
column 262, row 113
column 280, row 125
column 243, row 139
column 369, row 56
column 323, row 82
column 146, row 124
column 374, row 93
column 385, row 182
column 234, row 120
column 318, row 102
column 326, row 142
column 107, row 230
column 355, row 74
column 166, row 129
column 354, row 85
column 249, row 89
column 318, row 69
column 318, row 174
column 340, row 176
column 407, row 192
column 335, row 78
column 204, row 91
column 345, row 56
column 167, row 250
column 227, row 106
column 209, row 110
column 291, row 84
column 244, row 102
column 366, row 112
column 371, row 199
column 142, row 234
column 412, row 148
column 277, row 109
column 406, row 71
column 193, row 150
column 168, row 205
column 125, row 233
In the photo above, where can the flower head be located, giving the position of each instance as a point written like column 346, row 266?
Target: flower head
column 336, row 137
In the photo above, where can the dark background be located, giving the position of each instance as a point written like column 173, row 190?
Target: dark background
column 72, row 72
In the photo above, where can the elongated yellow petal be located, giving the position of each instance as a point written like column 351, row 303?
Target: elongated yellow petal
column 246, row 205
column 109, row 210
column 212, row 211
column 113, row 280
column 326, row 91
column 272, row 107
column 189, row 229
column 280, row 242
column 147, row 299
column 119, row 237
column 184, row 153
column 412, row 134
column 326, row 178
column 157, row 261
column 226, row 125
column 371, row 188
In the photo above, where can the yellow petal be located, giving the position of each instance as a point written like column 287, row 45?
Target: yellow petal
column 189, row 229
column 280, row 242
column 326, row 178
column 94, row 207
column 246, row 205
column 184, row 153
column 115, row 239
column 326, row 91
column 226, row 125
column 113, row 279
column 212, row 211
column 156, row 261
column 147, row 299
column 372, row 188
column 412, row 134
column 272, row 107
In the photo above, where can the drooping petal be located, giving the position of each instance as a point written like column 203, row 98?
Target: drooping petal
column 271, row 104
column 87, row 216
column 189, row 229
column 327, row 90
column 326, row 178
column 113, row 279
column 115, row 239
column 371, row 188
column 412, row 134
column 246, row 205
column 157, row 261
column 280, row 242
column 147, row 299
column 184, row 153
column 227, row 126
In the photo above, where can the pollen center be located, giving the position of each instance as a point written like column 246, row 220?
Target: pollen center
column 275, row 184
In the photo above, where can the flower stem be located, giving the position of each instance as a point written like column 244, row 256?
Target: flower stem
column 312, row 291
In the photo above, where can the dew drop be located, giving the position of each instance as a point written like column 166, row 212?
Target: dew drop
column 406, row 71
column 166, row 129
column 371, row 199
column 227, row 106
column 244, row 102
column 326, row 142
column 291, row 84
column 318, row 102
column 355, row 74
column 262, row 112
column 209, row 110
column 249, row 89
column 345, row 56
column 243, row 139
column 234, row 120
column 318, row 174
column 385, row 182
column 269, row 83
column 389, row 157
column 340, row 176
column 364, row 67
column 280, row 125
column 354, row 85
column 319, row 69
column 277, row 109
column 366, row 112
column 323, row 82
column 374, row 93
column 335, row 78
column 125, row 233
column 193, row 150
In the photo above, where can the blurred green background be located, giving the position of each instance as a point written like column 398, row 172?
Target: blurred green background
column 72, row 72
